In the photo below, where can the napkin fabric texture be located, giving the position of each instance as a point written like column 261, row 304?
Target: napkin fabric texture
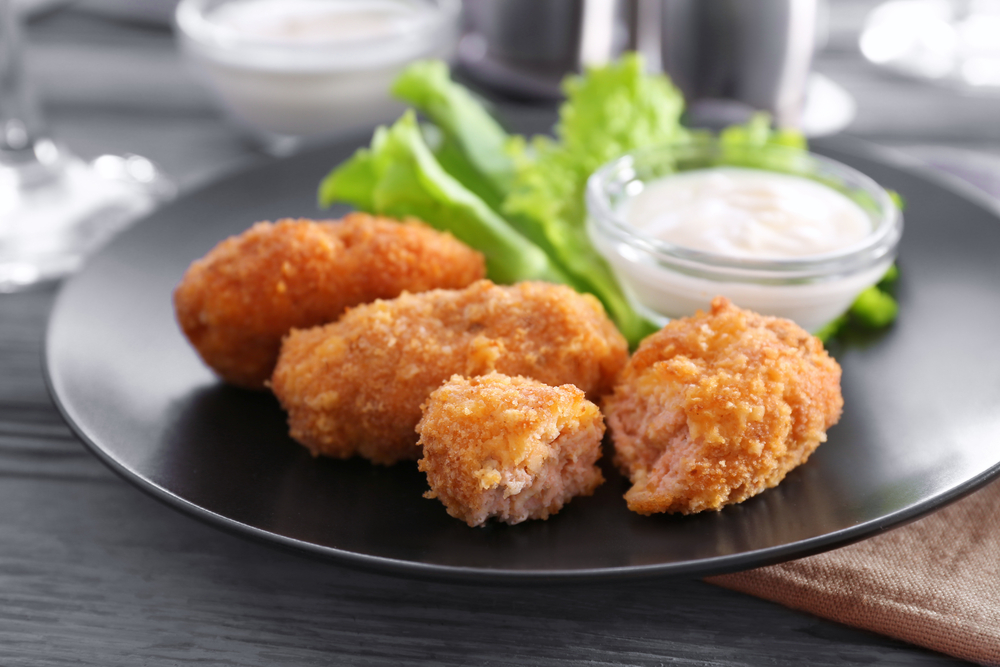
column 934, row 582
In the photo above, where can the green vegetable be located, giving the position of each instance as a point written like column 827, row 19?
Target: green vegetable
column 874, row 308
column 521, row 202
column 609, row 111
column 897, row 199
column 757, row 133
column 755, row 145
column 467, row 142
column 890, row 277
column 472, row 149
column 453, row 160
column 832, row 328
column 400, row 177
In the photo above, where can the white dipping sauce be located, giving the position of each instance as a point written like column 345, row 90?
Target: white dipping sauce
column 748, row 213
column 820, row 240
column 297, row 21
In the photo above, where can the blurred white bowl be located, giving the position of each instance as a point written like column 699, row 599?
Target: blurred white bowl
column 288, row 69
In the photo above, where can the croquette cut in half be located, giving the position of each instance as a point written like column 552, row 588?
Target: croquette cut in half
column 717, row 407
column 236, row 303
column 354, row 387
column 509, row 447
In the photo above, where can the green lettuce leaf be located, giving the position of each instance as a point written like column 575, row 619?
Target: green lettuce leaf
column 874, row 308
column 756, row 145
column 829, row 330
column 521, row 202
column 474, row 141
column 453, row 160
column 398, row 176
column 609, row 111
column 757, row 133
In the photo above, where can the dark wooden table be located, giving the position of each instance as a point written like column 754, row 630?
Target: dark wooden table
column 94, row 572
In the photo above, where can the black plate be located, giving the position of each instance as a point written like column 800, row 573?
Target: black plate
column 921, row 425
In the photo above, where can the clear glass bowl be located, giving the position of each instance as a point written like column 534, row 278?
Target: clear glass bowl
column 297, row 70
column 666, row 280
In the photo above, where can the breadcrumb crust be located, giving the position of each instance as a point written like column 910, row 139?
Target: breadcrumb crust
column 508, row 447
column 354, row 387
column 717, row 407
column 237, row 302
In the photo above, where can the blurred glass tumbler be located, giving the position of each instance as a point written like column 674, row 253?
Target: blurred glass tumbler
column 729, row 57
column 288, row 70
column 56, row 208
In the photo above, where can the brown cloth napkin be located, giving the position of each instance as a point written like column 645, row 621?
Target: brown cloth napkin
column 934, row 582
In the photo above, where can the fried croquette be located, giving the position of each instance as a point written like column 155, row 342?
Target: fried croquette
column 717, row 407
column 237, row 302
column 508, row 447
column 355, row 386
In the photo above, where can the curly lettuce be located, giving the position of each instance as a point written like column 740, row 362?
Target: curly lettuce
column 521, row 202
column 608, row 112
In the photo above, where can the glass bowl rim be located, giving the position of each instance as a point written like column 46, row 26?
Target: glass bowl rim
column 873, row 248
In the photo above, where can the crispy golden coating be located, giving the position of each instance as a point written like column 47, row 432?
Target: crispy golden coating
column 237, row 302
column 509, row 447
column 355, row 386
column 717, row 407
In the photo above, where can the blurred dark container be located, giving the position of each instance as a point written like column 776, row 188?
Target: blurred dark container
column 525, row 47
column 729, row 57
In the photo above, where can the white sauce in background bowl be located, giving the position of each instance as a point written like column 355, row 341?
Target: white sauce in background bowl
column 311, row 68
column 680, row 225
column 312, row 21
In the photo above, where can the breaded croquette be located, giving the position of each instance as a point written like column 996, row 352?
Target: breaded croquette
column 717, row 407
column 237, row 302
column 509, row 447
column 355, row 386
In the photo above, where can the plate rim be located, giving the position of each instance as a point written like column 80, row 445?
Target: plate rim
column 442, row 572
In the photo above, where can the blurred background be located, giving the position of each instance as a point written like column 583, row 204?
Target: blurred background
column 921, row 76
